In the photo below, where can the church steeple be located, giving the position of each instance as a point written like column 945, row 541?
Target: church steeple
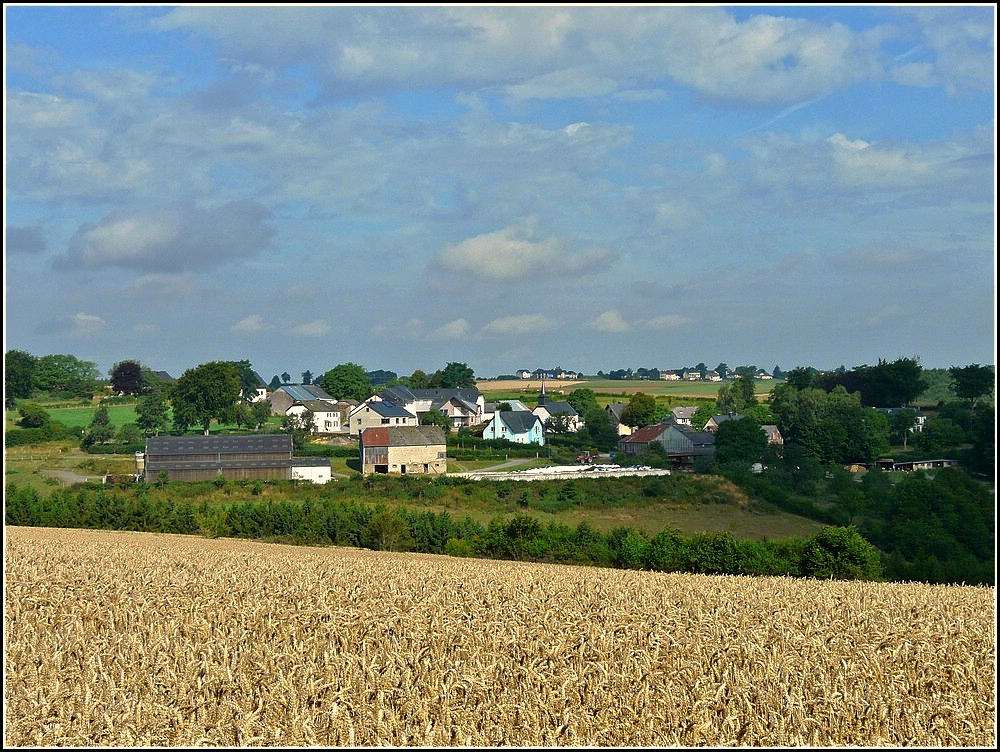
column 543, row 398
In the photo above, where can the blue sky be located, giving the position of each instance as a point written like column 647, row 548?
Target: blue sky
column 586, row 187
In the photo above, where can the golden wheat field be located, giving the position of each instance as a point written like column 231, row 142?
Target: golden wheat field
column 133, row 639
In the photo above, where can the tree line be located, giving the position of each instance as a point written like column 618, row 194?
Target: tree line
column 839, row 553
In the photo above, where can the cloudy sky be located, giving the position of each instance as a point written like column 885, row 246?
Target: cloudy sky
column 586, row 187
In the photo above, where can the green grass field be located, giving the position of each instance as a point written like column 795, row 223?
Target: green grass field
column 46, row 467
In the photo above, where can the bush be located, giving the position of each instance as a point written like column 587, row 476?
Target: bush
column 458, row 547
column 841, row 553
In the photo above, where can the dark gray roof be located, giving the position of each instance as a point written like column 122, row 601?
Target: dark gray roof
column 723, row 418
column 177, row 445
column 304, row 392
column 519, row 421
column 402, row 395
column 555, row 408
column 615, row 408
column 316, row 405
column 389, row 410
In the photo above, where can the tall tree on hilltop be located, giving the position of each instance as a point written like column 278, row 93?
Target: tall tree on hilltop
column 972, row 383
column 127, row 377
column 454, row 376
column 205, row 393
column 18, row 376
column 347, row 381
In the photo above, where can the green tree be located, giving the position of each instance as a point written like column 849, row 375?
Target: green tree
column 205, row 393
column 892, row 384
column 801, row 378
column 286, row 377
column 307, row 377
column 127, row 377
column 702, row 415
column 737, row 396
column 152, row 413
column 454, row 376
column 129, row 434
column 598, row 429
column 18, row 376
column 33, row 416
column 299, row 426
column 248, row 379
column 900, row 423
column 558, row 423
column 347, row 381
column 260, row 413
column 436, row 418
column 939, row 434
column 387, row 531
column 583, row 400
column 100, row 430
column 67, row 374
column 275, row 383
column 740, row 440
column 972, row 383
column 418, row 380
column 639, row 410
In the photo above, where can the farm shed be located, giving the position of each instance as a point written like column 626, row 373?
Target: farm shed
column 419, row 450
column 254, row 457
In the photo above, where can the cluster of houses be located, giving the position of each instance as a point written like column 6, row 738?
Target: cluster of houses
column 679, row 374
column 392, row 437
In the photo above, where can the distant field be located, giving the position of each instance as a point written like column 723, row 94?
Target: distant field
column 694, row 389
column 144, row 640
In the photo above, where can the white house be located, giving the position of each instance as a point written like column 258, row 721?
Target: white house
column 326, row 415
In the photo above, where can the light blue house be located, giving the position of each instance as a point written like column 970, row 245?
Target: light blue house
column 517, row 426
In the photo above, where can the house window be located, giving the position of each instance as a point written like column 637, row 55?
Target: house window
column 385, row 421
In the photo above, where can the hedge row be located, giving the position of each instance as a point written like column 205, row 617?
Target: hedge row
column 839, row 553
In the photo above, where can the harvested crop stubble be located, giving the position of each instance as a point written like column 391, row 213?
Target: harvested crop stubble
column 137, row 639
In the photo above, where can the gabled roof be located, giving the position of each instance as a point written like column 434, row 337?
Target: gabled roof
column 683, row 412
column 403, row 436
column 647, row 433
column 439, row 403
column 387, row 409
column 164, row 376
column 554, row 408
column 519, row 421
column 317, row 406
column 698, row 438
column 717, row 419
column 615, row 408
column 304, row 392
column 402, row 395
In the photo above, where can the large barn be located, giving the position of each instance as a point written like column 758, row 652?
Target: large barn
column 417, row 450
column 253, row 457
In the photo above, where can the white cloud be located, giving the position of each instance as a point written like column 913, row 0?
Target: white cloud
column 453, row 330
column 611, row 322
column 670, row 321
column 73, row 326
column 531, row 323
column 514, row 253
column 316, row 328
column 251, row 324
column 178, row 236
